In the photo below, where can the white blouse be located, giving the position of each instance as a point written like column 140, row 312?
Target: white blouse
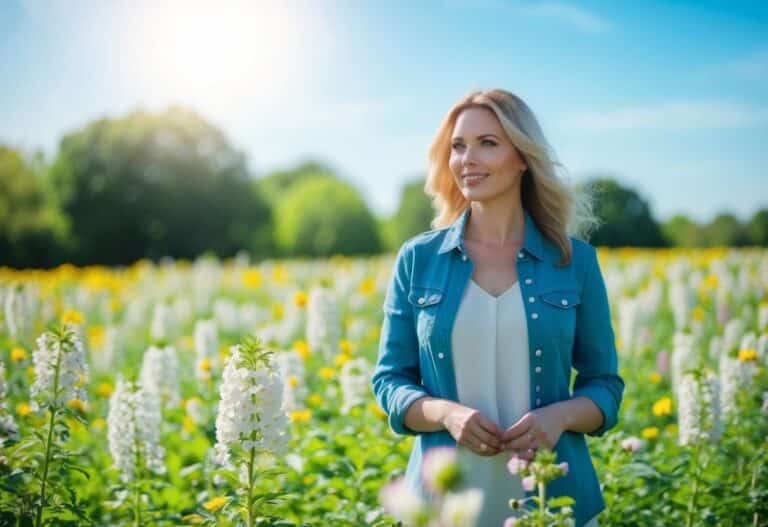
column 490, row 358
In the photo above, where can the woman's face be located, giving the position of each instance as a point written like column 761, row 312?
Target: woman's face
column 484, row 163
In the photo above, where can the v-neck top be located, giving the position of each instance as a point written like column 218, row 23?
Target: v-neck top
column 490, row 356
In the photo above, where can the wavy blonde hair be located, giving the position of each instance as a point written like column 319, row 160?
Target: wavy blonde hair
column 557, row 208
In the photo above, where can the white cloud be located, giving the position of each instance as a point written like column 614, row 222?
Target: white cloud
column 670, row 116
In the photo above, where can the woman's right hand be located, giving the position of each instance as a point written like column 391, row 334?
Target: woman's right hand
column 472, row 429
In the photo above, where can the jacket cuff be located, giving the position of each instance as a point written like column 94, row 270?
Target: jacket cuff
column 605, row 401
column 403, row 398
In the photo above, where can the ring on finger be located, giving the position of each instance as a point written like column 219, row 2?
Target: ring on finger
column 483, row 447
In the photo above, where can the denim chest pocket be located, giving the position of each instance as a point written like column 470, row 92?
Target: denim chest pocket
column 426, row 302
column 560, row 311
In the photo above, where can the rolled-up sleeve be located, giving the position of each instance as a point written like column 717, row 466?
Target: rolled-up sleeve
column 396, row 379
column 594, row 354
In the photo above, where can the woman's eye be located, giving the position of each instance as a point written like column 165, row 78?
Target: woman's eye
column 489, row 142
column 456, row 146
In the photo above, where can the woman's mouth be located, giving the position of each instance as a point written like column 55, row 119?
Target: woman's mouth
column 474, row 177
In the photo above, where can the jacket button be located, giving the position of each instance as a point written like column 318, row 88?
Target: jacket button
column 464, row 257
column 421, row 300
column 528, row 281
column 441, row 355
column 538, row 401
column 538, row 388
column 564, row 302
column 538, row 369
column 535, row 316
column 538, row 353
column 520, row 254
column 531, row 299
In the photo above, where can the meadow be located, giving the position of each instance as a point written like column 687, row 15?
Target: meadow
column 141, row 422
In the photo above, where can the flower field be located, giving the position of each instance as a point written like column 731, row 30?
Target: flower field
column 233, row 393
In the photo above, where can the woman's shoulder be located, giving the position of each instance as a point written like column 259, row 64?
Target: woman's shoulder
column 424, row 241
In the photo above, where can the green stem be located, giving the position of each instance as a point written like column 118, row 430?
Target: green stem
column 694, row 493
column 39, row 519
column 542, row 503
column 250, row 487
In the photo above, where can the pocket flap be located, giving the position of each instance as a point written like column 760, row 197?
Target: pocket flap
column 424, row 296
column 562, row 299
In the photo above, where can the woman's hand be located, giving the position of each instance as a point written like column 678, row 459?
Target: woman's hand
column 540, row 427
column 472, row 429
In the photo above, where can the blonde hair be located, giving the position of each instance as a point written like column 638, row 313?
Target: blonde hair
column 556, row 207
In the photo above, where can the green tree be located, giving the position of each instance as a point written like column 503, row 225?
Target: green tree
column 325, row 216
column 275, row 184
column 757, row 228
column 626, row 217
column 413, row 215
column 151, row 185
column 725, row 230
column 33, row 229
column 681, row 231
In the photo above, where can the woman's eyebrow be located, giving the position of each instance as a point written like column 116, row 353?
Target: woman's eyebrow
column 479, row 136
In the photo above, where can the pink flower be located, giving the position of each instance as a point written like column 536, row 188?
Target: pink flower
column 564, row 467
column 632, row 444
column 437, row 466
column 510, row 522
column 516, row 464
column 662, row 362
column 529, row 483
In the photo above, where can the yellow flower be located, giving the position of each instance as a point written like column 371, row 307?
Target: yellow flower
column 71, row 316
column 671, row 428
column 368, row 286
column 309, row 479
column 315, row 400
column 663, row 406
column 188, row 424
column 18, row 354
column 340, row 359
column 327, row 373
column 655, row 377
column 698, row 313
column 346, row 346
column 293, row 381
column 205, row 365
column 300, row 299
column 277, row 311
column 192, row 518
column 98, row 424
column 31, row 371
column 300, row 416
column 252, row 278
column 76, row 404
column 650, row 432
column 279, row 274
column 747, row 354
column 302, row 348
column 104, row 389
column 23, row 409
column 215, row 503
column 711, row 281
column 376, row 409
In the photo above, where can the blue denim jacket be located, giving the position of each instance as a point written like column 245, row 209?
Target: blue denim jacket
column 569, row 325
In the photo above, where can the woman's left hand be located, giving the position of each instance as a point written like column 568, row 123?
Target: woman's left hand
column 537, row 428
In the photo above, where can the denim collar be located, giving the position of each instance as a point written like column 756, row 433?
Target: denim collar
column 455, row 236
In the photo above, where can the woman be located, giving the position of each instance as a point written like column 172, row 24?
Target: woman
column 486, row 314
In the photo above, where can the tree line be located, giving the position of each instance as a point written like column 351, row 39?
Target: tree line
column 150, row 185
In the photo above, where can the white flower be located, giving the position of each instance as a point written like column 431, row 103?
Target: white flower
column 227, row 314
column 735, row 375
column 295, row 390
column 197, row 410
column 699, row 409
column 18, row 307
column 250, row 409
column 402, row 502
column 133, row 427
column 461, row 509
column 160, row 374
column 206, row 348
column 163, row 323
column 8, row 428
column 323, row 322
column 355, row 381
column 60, row 366
column 632, row 444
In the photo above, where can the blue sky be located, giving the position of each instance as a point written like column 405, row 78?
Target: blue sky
column 669, row 97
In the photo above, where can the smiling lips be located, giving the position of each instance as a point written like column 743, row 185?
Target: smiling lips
column 474, row 177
